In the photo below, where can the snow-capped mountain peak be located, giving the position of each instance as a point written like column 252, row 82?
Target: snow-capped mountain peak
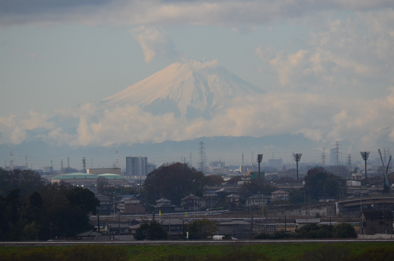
column 192, row 89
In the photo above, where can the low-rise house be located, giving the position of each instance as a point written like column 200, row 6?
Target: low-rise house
column 175, row 227
column 376, row 222
column 279, row 195
column 164, row 205
column 257, row 200
column 105, row 203
column 132, row 206
column 240, row 229
column 211, row 200
column 192, row 203
column 233, row 199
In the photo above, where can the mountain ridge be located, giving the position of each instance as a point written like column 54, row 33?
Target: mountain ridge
column 191, row 89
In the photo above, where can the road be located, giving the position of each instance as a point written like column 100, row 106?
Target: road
column 190, row 242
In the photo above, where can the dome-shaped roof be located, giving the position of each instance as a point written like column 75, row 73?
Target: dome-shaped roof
column 75, row 175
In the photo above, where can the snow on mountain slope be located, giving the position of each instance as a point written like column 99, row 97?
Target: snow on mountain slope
column 192, row 89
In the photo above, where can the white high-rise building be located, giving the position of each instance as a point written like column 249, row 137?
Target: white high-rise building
column 136, row 166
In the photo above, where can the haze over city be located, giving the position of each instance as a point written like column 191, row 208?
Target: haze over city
column 150, row 78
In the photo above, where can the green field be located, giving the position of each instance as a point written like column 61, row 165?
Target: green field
column 289, row 251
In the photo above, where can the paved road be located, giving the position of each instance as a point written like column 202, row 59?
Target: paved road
column 189, row 242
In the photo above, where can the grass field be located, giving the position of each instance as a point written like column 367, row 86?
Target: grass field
column 289, row 251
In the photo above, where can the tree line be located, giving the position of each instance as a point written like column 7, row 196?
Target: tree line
column 31, row 209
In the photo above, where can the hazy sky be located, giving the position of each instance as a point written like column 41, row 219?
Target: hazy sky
column 329, row 62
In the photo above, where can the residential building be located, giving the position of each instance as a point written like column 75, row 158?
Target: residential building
column 175, row 227
column 164, row 205
column 136, row 166
column 376, row 222
column 192, row 203
column 279, row 194
column 257, row 200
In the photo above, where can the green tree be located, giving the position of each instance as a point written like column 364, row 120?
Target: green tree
column 256, row 186
column 314, row 231
column 213, row 180
column 173, row 181
column 142, row 231
column 5, row 182
column 319, row 183
column 151, row 231
column 296, row 196
column 26, row 181
column 202, row 228
column 29, row 181
column 84, row 199
column 344, row 230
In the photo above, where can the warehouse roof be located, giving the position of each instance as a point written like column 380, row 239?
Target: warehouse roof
column 75, row 175
column 110, row 176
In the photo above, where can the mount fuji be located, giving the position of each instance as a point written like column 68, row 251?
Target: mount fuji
column 192, row 89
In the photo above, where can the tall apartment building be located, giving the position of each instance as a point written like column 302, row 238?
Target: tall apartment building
column 136, row 166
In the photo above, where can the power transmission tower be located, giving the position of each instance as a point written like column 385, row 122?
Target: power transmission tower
column 11, row 161
column 26, row 164
column 202, row 156
column 349, row 161
column 61, row 166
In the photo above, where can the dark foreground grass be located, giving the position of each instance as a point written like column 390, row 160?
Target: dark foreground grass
column 236, row 251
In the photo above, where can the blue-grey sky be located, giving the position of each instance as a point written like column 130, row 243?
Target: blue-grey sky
column 331, row 60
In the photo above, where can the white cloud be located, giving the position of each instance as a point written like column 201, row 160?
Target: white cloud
column 351, row 54
column 233, row 13
column 14, row 129
column 360, row 122
column 154, row 42
column 270, row 114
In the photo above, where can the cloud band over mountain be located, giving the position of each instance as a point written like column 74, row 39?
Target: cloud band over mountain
column 233, row 13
